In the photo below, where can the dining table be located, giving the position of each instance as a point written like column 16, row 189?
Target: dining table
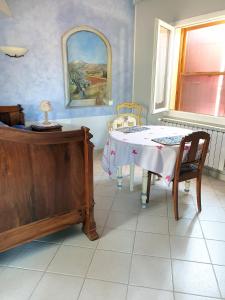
column 143, row 146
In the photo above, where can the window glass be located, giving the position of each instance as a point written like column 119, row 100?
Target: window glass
column 200, row 93
column 205, row 49
column 161, row 88
column 201, row 84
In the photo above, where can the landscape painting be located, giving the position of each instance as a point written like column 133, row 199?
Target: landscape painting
column 88, row 68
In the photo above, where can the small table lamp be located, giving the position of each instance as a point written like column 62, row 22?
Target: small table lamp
column 46, row 107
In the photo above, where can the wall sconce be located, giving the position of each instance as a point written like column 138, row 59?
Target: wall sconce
column 13, row 51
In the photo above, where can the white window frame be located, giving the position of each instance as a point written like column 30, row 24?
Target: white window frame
column 159, row 23
column 202, row 19
column 169, row 111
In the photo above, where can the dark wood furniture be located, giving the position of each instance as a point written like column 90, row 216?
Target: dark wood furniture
column 191, row 167
column 43, row 128
column 46, row 183
column 12, row 115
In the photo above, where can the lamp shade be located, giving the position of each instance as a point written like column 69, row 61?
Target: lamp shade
column 45, row 106
column 13, row 51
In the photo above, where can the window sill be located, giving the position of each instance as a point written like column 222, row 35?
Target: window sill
column 198, row 118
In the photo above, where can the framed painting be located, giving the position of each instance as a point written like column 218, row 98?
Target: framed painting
column 87, row 60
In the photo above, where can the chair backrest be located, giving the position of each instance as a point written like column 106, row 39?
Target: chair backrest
column 122, row 121
column 134, row 107
column 196, row 144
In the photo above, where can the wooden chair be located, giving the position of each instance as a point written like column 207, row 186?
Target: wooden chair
column 127, row 119
column 189, row 167
column 120, row 122
column 134, row 107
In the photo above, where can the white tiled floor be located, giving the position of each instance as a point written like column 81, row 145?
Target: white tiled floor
column 143, row 254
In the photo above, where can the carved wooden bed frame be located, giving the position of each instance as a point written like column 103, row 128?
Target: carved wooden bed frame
column 46, row 181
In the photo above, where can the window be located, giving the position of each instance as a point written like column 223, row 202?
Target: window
column 162, row 66
column 189, row 68
column 201, row 72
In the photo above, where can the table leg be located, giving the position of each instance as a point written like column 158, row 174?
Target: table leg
column 131, row 177
column 144, row 189
column 187, row 186
column 119, row 178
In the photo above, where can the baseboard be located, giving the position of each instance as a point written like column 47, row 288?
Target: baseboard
column 214, row 173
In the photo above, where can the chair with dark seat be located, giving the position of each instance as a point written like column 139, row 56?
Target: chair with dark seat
column 188, row 167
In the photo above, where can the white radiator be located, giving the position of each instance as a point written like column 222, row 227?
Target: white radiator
column 216, row 156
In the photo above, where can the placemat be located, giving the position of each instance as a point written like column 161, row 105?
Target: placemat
column 169, row 140
column 132, row 129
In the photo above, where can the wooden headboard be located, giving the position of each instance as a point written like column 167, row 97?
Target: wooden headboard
column 12, row 115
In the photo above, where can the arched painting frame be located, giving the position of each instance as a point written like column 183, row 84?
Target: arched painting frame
column 87, row 61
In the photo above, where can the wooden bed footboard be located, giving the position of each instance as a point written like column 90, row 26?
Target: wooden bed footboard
column 46, row 184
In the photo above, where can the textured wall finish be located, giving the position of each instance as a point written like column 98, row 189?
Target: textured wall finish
column 39, row 26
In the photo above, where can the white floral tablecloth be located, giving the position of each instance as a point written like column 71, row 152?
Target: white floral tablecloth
column 139, row 149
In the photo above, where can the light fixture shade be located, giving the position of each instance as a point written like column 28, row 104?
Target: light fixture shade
column 45, row 106
column 13, row 51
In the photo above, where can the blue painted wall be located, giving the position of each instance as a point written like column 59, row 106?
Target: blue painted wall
column 39, row 26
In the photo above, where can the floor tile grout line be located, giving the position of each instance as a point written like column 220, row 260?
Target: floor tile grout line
column 85, row 276
column 59, row 247
column 132, row 255
column 44, row 272
column 212, row 221
column 108, row 214
column 171, row 262
column 198, row 295
column 171, row 291
column 86, row 273
column 86, row 247
column 95, row 249
column 112, row 250
column 115, row 251
column 214, row 272
column 138, row 286
column 137, row 214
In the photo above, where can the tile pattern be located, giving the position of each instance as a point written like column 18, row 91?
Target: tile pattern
column 142, row 254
